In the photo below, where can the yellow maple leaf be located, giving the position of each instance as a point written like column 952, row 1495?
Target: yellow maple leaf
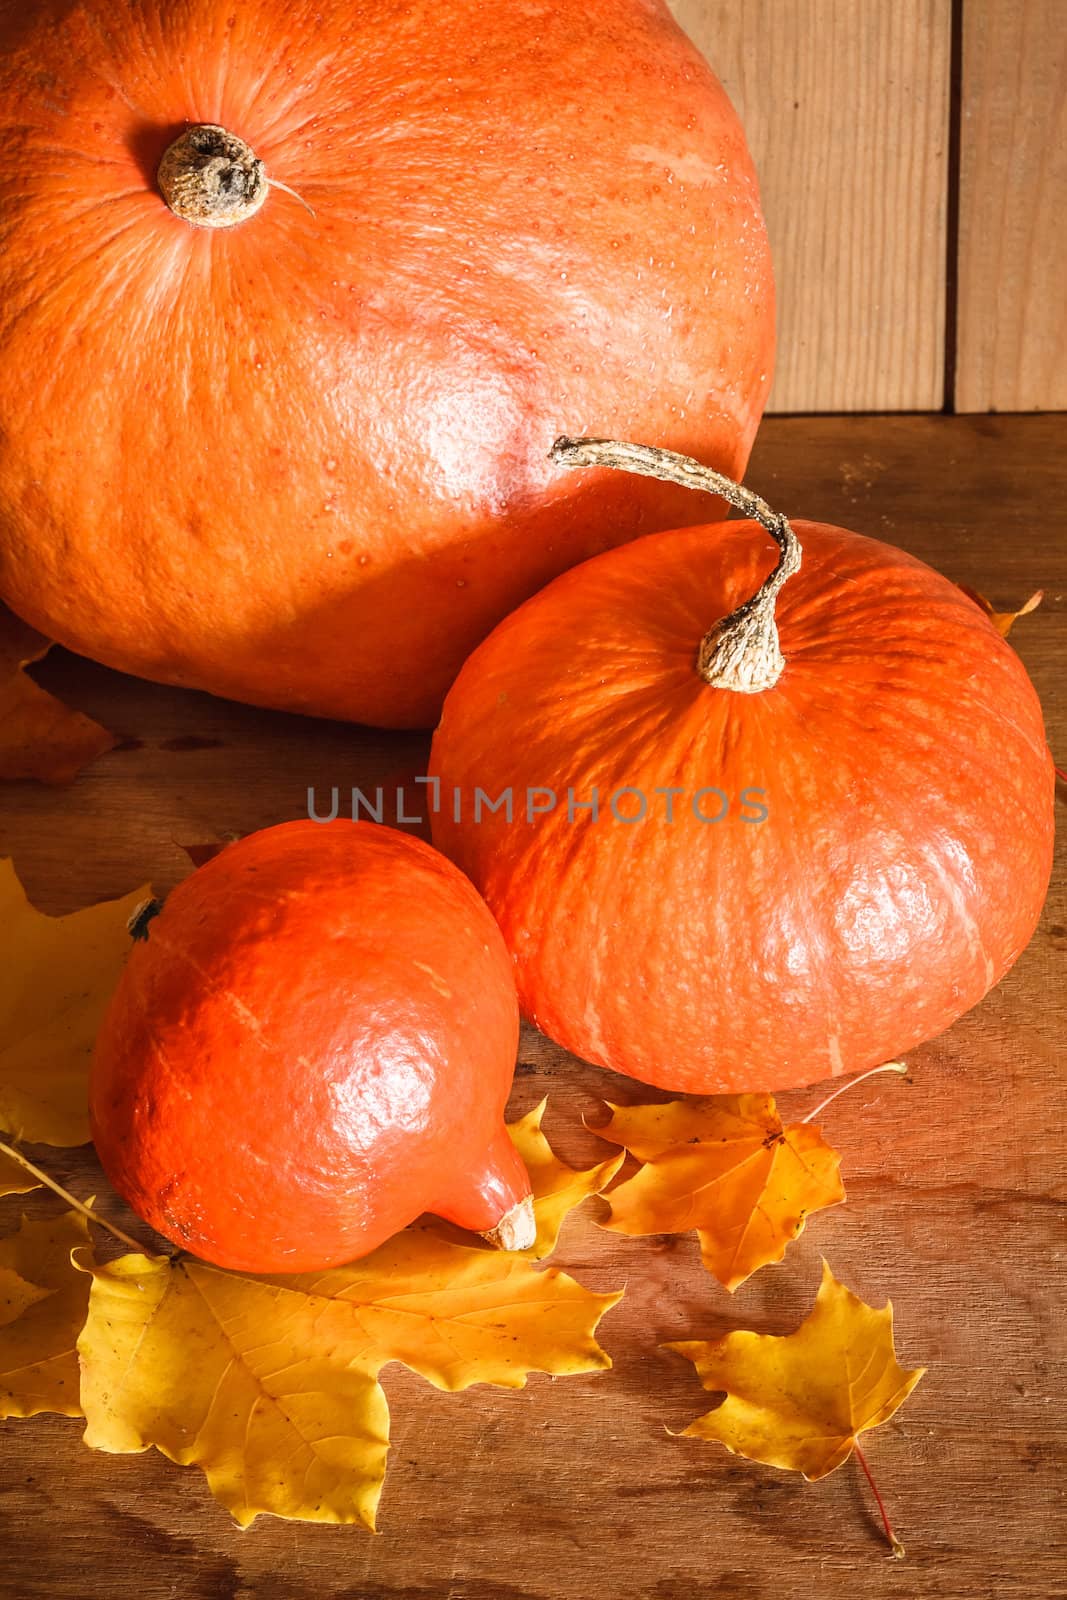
column 39, row 736
column 43, row 1301
column 557, row 1188
column 56, row 977
column 728, row 1168
column 249, row 1381
column 14, row 1179
column 270, row 1385
column 800, row 1400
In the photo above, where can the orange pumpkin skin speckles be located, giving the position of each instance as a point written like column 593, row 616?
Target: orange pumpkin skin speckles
column 313, row 1045
column 901, row 759
column 302, row 461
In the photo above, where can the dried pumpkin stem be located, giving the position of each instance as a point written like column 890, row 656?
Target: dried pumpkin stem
column 741, row 652
column 211, row 178
column 65, row 1194
column 517, row 1228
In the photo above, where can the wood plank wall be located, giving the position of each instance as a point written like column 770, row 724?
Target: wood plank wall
column 1013, row 207
column 913, row 161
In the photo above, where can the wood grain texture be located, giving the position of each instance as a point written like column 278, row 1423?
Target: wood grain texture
column 845, row 104
column 1012, row 313
column 957, row 1183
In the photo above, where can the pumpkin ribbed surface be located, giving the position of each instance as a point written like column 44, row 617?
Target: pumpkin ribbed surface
column 301, row 460
column 900, row 760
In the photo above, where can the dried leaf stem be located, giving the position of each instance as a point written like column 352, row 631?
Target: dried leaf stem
column 894, row 1543
column 889, row 1066
column 65, row 1194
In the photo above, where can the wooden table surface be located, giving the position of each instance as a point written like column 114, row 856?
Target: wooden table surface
column 571, row 1488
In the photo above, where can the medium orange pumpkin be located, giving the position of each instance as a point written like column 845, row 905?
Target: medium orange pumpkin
column 313, row 1043
column 294, row 453
column 824, row 830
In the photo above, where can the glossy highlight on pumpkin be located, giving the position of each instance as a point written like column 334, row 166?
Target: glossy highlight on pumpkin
column 310, row 1045
column 901, row 760
column 301, row 460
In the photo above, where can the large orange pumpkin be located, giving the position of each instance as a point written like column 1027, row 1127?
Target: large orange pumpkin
column 821, row 836
column 297, row 456
column 313, row 1043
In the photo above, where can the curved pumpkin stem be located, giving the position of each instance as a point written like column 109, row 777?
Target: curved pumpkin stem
column 741, row 652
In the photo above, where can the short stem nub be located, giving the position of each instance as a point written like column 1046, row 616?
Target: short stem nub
column 211, row 178
column 517, row 1228
column 741, row 652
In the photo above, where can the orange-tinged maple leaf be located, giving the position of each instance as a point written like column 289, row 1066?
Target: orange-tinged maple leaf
column 800, row 1400
column 39, row 736
column 270, row 1385
column 1003, row 620
column 207, row 851
column 728, row 1168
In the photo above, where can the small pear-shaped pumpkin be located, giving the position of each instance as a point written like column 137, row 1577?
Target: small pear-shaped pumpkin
column 311, row 1044
column 747, row 858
